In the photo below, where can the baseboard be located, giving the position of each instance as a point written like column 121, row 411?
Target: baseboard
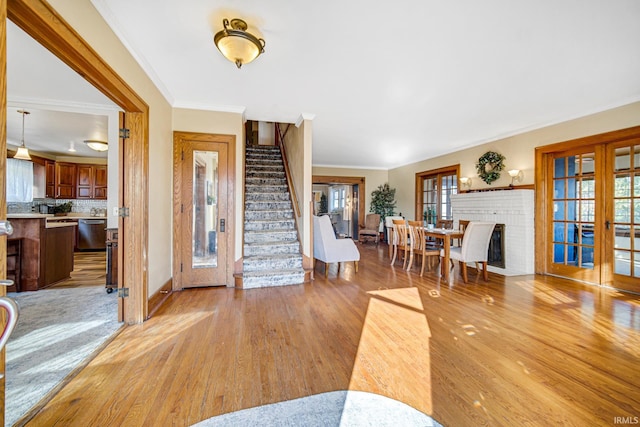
column 158, row 298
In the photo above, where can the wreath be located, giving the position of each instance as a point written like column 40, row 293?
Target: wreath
column 489, row 166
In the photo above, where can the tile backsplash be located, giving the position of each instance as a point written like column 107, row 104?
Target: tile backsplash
column 78, row 205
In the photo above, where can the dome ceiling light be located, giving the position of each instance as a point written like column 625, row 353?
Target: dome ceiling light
column 236, row 44
column 97, row 145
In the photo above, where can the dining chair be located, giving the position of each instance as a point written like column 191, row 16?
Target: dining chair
column 419, row 246
column 462, row 226
column 388, row 225
column 475, row 245
column 435, row 244
column 401, row 240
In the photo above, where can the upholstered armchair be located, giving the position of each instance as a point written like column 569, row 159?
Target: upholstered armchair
column 327, row 248
column 370, row 229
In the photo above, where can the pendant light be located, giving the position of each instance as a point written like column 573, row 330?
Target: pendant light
column 23, row 152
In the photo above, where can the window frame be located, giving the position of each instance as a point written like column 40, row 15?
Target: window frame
column 438, row 174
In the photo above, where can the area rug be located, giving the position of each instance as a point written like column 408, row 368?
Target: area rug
column 57, row 330
column 336, row 408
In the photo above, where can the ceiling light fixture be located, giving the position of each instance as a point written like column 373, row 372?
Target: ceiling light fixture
column 97, row 145
column 22, row 153
column 72, row 147
column 236, row 44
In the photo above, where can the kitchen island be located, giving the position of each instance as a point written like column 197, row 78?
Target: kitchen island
column 47, row 249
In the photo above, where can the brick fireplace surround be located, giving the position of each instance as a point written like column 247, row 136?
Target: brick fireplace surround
column 514, row 209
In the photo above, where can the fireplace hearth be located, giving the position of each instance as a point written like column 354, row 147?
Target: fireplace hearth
column 512, row 248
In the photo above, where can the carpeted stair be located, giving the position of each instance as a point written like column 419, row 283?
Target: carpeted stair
column 271, row 247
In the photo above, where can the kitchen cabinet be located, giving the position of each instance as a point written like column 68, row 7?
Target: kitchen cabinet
column 50, row 179
column 92, row 182
column 66, row 179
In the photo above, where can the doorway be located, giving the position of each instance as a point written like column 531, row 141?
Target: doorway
column 589, row 220
column 202, row 210
column 345, row 207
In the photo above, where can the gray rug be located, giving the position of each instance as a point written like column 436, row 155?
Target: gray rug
column 56, row 331
column 337, row 408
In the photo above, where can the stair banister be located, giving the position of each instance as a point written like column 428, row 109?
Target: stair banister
column 287, row 171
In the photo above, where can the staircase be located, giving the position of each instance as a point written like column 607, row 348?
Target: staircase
column 271, row 248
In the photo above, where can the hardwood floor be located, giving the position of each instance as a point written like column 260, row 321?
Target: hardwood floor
column 526, row 350
column 89, row 269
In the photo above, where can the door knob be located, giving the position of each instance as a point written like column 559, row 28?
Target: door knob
column 6, row 229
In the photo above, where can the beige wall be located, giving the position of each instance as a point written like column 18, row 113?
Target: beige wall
column 372, row 178
column 83, row 17
column 298, row 148
column 186, row 120
column 519, row 151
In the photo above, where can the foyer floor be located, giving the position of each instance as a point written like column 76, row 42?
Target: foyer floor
column 527, row 350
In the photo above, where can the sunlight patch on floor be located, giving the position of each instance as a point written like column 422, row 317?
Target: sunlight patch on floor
column 393, row 356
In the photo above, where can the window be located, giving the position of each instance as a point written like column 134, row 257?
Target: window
column 433, row 193
column 338, row 195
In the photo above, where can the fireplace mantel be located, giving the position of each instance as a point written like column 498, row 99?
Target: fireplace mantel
column 514, row 209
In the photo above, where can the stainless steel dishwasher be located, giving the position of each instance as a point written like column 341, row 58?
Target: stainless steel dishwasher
column 92, row 234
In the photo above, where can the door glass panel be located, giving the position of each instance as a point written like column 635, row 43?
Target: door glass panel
column 574, row 194
column 205, row 212
column 626, row 210
column 636, row 264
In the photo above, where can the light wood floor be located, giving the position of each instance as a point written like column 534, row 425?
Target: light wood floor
column 89, row 269
column 530, row 350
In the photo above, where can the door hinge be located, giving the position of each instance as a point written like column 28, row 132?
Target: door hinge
column 124, row 133
column 180, row 267
column 123, row 212
column 123, row 292
column 182, row 155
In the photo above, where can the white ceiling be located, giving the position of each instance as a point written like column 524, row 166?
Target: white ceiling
column 391, row 83
column 63, row 107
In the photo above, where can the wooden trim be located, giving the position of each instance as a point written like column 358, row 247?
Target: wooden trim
column 159, row 297
column 230, row 141
column 351, row 180
column 419, row 186
column 544, row 190
column 3, row 185
column 292, row 188
column 40, row 21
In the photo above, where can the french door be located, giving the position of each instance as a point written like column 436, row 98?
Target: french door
column 592, row 210
column 202, row 210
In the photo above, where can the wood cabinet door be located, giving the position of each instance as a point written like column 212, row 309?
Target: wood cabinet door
column 85, row 175
column 66, row 180
column 100, row 176
column 50, row 178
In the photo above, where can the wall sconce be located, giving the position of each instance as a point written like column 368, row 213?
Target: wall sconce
column 516, row 176
column 465, row 183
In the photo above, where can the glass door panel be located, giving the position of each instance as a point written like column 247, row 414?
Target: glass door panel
column 205, row 213
column 574, row 240
column 626, row 215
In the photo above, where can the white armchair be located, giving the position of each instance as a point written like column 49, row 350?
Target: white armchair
column 328, row 249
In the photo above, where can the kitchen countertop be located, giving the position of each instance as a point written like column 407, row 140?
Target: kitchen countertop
column 51, row 217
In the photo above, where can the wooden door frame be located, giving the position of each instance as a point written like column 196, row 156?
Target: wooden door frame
column 230, row 140
column 348, row 180
column 40, row 21
column 543, row 196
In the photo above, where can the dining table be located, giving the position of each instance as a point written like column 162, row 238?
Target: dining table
column 446, row 235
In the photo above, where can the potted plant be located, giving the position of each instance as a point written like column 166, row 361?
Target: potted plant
column 383, row 201
column 62, row 209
